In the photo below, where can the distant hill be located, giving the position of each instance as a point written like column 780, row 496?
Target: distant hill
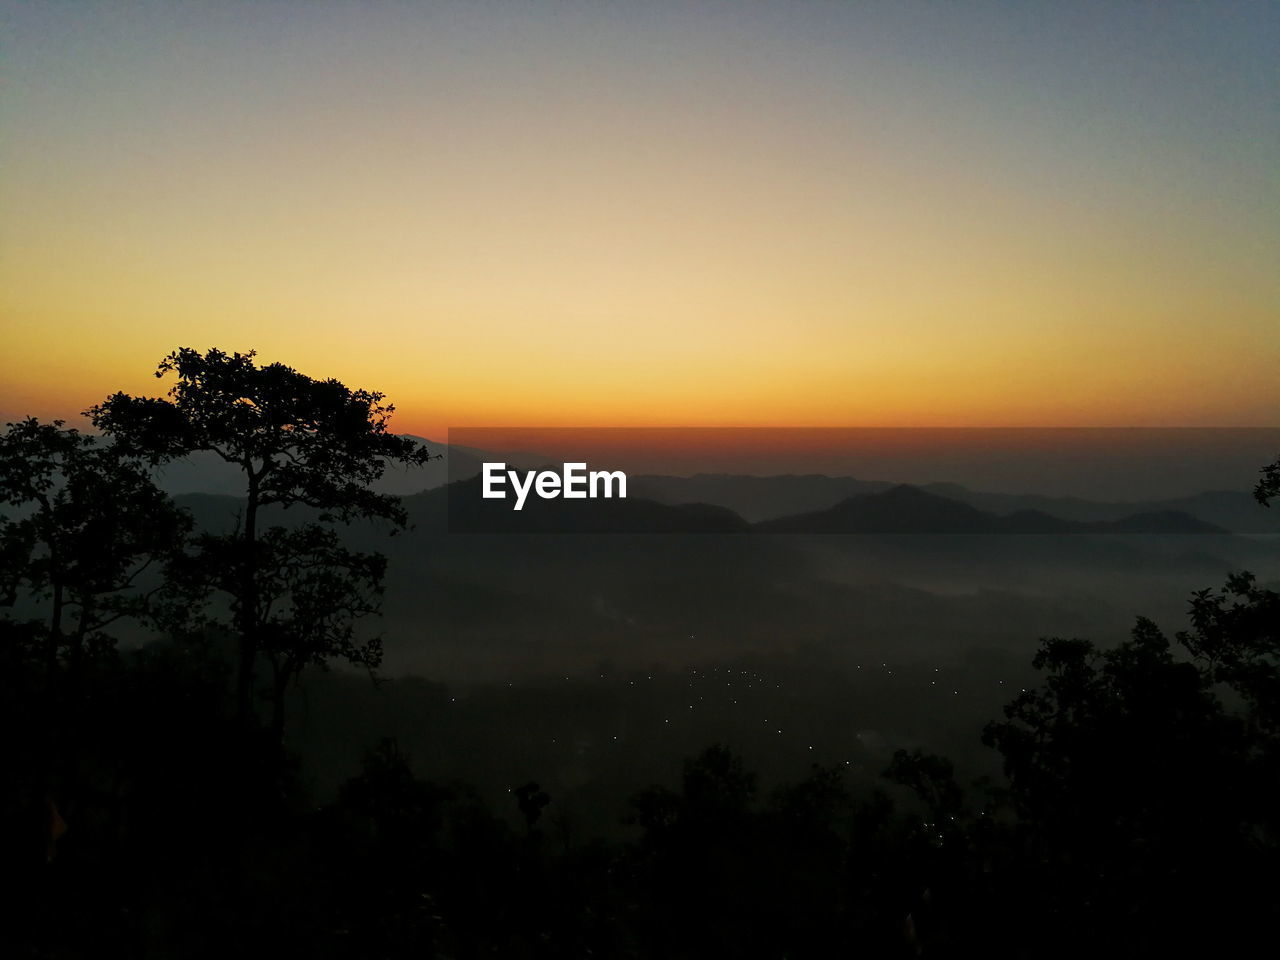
column 907, row 509
column 1234, row 510
column 755, row 498
column 459, row 508
column 770, row 497
column 761, row 498
column 899, row 509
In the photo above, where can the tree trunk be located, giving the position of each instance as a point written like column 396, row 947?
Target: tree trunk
column 277, row 710
column 55, row 638
column 248, row 605
column 75, row 651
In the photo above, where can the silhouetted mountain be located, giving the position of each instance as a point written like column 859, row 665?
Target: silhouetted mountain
column 756, row 498
column 759, row 498
column 908, row 509
column 1233, row 510
column 459, row 508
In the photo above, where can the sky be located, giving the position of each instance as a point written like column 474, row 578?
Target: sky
column 653, row 214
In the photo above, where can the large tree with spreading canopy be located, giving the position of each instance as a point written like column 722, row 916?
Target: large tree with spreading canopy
column 297, row 441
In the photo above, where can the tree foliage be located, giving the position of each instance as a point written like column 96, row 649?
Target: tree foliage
column 87, row 530
column 1143, row 779
column 311, row 595
column 297, row 442
column 1268, row 486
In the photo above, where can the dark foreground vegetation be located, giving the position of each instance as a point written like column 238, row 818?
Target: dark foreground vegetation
column 151, row 809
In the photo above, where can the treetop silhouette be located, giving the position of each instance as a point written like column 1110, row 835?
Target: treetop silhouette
column 298, row 441
column 1268, row 486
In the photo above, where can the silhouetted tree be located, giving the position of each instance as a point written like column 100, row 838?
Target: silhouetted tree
column 531, row 800
column 1268, row 487
column 1235, row 636
column 89, row 524
column 932, row 779
column 296, row 440
column 311, row 592
column 1139, row 801
column 83, row 534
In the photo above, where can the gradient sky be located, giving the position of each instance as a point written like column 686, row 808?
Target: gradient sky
column 653, row 213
